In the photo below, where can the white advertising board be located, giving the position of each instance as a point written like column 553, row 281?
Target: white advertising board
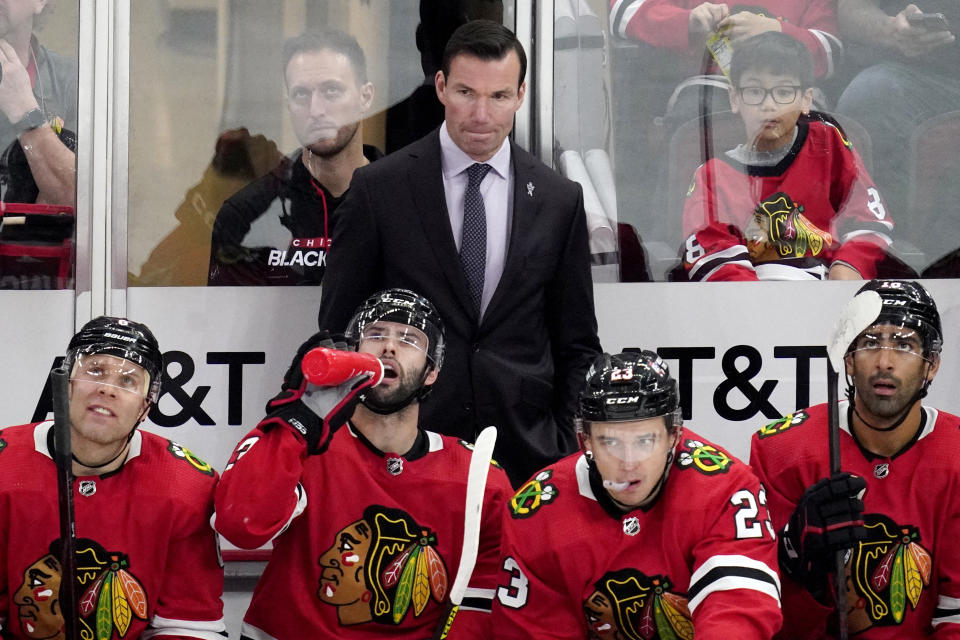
column 744, row 353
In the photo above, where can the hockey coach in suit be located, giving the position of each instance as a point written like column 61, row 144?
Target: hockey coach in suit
column 497, row 240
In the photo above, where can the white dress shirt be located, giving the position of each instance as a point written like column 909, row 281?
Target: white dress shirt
column 497, row 193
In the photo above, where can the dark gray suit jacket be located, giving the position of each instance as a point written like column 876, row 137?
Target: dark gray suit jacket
column 523, row 365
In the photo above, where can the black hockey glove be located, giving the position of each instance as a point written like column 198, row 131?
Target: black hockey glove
column 314, row 413
column 828, row 519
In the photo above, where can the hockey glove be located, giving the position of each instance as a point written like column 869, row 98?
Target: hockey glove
column 314, row 413
column 828, row 519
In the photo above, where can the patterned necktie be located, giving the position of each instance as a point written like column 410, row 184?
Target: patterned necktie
column 473, row 242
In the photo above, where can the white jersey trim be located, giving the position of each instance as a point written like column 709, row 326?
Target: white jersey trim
column 435, row 440
column 41, row 431
column 247, row 630
column 204, row 629
column 583, row 479
column 729, row 572
column 780, row 271
column 931, row 415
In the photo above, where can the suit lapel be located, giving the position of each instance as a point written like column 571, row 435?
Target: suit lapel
column 526, row 204
column 425, row 177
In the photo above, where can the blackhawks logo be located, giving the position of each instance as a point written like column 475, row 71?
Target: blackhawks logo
column 380, row 567
column 888, row 571
column 111, row 597
column 781, row 425
column 630, row 605
column 183, row 453
column 533, row 495
column 705, row 458
column 779, row 230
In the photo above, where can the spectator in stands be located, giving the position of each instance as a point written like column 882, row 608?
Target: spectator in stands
column 794, row 201
column 277, row 230
column 914, row 79
column 38, row 100
column 684, row 26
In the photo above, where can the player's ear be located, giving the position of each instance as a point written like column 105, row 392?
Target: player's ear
column 806, row 100
column 734, row 101
column 366, row 96
column 934, row 367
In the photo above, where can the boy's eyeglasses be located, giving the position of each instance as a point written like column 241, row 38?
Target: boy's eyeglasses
column 753, row 96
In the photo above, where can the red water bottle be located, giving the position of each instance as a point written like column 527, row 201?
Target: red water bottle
column 325, row 367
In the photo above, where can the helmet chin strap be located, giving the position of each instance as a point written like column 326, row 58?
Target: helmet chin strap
column 123, row 447
column 919, row 395
column 655, row 491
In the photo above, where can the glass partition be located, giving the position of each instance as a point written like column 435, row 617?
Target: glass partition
column 865, row 177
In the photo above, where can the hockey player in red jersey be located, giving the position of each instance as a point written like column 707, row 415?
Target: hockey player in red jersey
column 147, row 558
column 792, row 202
column 903, row 570
column 366, row 521
column 651, row 532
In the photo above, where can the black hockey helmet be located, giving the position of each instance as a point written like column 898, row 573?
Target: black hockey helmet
column 122, row 338
column 907, row 303
column 632, row 385
column 404, row 307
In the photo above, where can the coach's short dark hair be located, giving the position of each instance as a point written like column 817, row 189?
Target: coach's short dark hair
column 329, row 39
column 775, row 52
column 484, row 39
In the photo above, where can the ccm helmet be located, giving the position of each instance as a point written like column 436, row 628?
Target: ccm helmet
column 632, row 385
column 122, row 338
column 907, row 303
column 404, row 307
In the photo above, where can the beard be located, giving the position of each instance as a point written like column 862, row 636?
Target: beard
column 393, row 399
column 886, row 406
column 330, row 147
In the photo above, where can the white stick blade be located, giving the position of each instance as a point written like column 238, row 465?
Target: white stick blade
column 476, row 483
column 858, row 314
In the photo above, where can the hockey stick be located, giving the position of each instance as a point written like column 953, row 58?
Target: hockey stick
column 476, row 484
column 59, row 378
column 858, row 314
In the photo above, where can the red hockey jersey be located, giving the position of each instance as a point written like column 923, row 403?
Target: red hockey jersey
column 366, row 544
column 665, row 23
column 815, row 207
column 148, row 564
column 701, row 557
column 904, row 580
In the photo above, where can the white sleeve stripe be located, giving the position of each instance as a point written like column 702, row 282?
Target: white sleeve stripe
column 946, row 602
column 954, row 619
column 867, row 232
column 729, row 583
column 733, row 562
column 473, row 592
column 297, row 510
column 736, row 254
column 203, row 629
column 623, row 12
column 250, row 632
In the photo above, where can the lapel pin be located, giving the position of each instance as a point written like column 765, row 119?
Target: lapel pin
column 530, row 189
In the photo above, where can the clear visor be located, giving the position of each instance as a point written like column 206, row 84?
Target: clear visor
column 626, row 446
column 898, row 339
column 110, row 371
column 403, row 335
